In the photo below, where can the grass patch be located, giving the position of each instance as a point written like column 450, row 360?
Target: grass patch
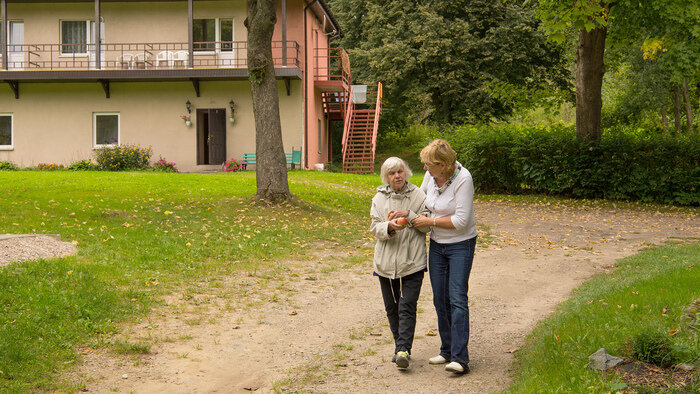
column 646, row 293
column 141, row 235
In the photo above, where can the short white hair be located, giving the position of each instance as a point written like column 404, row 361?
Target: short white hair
column 392, row 165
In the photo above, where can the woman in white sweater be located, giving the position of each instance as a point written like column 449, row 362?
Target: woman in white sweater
column 449, row 197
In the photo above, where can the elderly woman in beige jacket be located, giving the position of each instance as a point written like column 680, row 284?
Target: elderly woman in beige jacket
column 400, row 253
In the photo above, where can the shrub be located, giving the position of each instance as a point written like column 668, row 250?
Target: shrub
column 123, row 158
column 232, row 165
column 50, row 167
column 83, row 165
column 164, row 166
column 654, row 348
column 8, row 166
column 626, row 164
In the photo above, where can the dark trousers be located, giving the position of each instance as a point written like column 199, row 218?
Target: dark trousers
column 449, row 266
column 400, row 305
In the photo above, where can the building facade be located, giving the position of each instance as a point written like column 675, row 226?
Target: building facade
column 171, row 75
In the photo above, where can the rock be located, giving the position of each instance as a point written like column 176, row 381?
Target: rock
column 601, row 360
column 684, row 367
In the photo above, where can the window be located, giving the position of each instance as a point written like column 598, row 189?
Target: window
column 74, row 37
column 206, row 32
column 105, row 129
column 6, row 131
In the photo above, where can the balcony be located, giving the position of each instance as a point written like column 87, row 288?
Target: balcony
column 141, row 62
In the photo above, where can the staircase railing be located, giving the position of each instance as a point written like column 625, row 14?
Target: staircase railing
column 349, row 105
column 375, row 126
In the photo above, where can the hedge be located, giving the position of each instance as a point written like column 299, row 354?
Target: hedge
column 626, row 164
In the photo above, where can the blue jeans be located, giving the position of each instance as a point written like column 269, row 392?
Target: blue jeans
column 449, row 266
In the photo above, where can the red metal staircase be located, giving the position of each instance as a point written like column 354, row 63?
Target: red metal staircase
column 360, row 119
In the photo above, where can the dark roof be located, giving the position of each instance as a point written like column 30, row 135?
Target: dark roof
column 334, row 21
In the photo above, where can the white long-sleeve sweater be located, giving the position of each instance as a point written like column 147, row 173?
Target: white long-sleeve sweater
column 457, row 202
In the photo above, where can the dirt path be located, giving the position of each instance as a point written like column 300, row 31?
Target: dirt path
column 319, row 325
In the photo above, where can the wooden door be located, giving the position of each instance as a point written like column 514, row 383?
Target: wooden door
column 217, row 135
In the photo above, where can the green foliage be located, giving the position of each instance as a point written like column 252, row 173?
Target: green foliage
column 8, row 166
column 626, row 164
column 646, row 293
column 451, row 62
column 123, row 158
column 654, row 347
column 83, row 165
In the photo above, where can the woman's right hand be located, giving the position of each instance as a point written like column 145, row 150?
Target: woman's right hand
column 393, row 225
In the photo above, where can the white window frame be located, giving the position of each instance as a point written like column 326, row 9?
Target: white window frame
column 12, row 132
column 88, row 38
column 217, row 36
column 95, row 145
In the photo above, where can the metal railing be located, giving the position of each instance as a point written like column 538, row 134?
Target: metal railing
column 332, row 64
column 141, row 56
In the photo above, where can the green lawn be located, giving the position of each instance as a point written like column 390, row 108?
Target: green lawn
column 646, row 293
column 142, row 233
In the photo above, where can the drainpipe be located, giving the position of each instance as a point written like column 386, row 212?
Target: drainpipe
column 3, row 36
column 284, row 33
column 98, row 37
column 190, row 46
column 306, row 89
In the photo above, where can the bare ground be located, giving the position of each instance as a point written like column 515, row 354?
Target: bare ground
column 319, row 325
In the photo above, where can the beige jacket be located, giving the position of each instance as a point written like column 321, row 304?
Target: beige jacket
column 403, row 252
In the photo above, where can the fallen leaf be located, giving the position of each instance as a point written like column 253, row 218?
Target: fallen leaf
column 431, row 333
column 673, row 332
column 511, row 351
column 293, row 313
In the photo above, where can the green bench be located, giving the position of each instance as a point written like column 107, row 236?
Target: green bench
column 293, row 158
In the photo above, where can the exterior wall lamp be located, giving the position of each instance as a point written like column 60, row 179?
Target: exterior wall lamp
column 188, row 105
column 232, row 117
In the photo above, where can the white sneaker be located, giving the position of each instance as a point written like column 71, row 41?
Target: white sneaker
column 437, row 360
column 456, row 368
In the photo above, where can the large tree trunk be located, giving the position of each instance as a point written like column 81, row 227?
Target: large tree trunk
column 271, row 174
column 688, row 107
column 589, row 81
column 677, row 107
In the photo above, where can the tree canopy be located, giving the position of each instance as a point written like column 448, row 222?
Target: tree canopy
column 451, row 62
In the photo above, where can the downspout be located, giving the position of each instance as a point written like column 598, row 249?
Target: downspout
column 284, row 33
column 190, row 46
column 306, row 89
column 3, row 29
column 98, row 37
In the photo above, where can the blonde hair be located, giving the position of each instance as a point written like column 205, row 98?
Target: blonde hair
column 439, row 152
column 392, row 165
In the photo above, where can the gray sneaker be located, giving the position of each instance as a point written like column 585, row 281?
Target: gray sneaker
column 402, row 359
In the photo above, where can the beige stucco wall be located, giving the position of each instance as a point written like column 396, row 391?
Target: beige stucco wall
column 53, row 122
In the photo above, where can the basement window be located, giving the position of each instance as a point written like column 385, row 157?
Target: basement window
column 105, row 129
column 6, row 132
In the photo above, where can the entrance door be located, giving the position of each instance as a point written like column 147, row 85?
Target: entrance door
column 15, row 54
column 211, row 136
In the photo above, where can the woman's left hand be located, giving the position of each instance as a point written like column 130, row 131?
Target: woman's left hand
column 395, row 214
column 422, row 221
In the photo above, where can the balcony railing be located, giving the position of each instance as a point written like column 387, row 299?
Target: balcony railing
column 332, row 64
column 142, row 56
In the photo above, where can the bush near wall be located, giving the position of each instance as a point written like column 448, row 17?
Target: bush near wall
column 123, row 158
column 626, row 164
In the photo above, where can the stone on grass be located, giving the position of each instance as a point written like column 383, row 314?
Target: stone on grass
column 601, row 360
